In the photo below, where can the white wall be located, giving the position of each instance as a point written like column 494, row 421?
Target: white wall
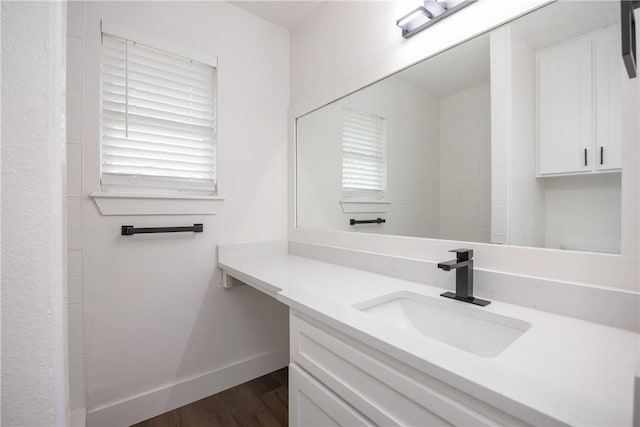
column 0, row 203
column 159, row 329
column 583, row 212
column 518, row 215
column 500, row 54
column 412, row 167
column 34, row 386
column 362, row 38
column 525, row 193
column 465, row 165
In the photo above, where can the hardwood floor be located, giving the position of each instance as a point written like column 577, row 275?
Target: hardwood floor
column 262, row 402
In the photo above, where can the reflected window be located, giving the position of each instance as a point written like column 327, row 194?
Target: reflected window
column 364, row 163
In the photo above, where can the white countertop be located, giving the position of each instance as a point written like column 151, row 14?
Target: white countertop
column 562, row 370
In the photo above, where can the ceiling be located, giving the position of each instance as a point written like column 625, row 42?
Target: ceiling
column 287, row 14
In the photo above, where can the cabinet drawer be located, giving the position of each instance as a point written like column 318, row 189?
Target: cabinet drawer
column 386, row 391
column 312, row 404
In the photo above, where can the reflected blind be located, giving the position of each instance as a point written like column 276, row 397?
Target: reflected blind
column 158, row 120
column 363, row 154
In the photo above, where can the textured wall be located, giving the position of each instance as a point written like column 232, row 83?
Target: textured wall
column 34, row 390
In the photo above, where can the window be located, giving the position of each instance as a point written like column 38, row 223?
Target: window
column 364, row 138
column 158, row 121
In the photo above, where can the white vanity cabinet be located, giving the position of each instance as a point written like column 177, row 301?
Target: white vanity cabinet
column 312, row 404
column 336, row 381
column 579, row 105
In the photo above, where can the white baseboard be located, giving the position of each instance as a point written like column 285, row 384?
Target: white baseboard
column 147, row 405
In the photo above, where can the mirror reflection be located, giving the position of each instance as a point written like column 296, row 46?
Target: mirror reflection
column 513, row 137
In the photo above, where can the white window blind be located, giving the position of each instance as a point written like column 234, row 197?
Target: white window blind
column 364, row 138
column 158, row 120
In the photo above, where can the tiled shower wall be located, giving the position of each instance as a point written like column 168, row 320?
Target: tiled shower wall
column 465, row 165
column 75, row 31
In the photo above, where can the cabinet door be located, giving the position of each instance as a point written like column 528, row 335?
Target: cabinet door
column 609, row 73
column 313, row 405
column 565, row 108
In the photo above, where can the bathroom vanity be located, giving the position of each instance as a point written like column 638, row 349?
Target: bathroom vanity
column 370, row 349
column 512, row 143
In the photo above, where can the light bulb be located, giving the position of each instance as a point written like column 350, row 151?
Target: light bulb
column 420, row 11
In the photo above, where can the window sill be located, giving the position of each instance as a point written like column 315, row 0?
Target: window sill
column 365, row 206
column 156, row 204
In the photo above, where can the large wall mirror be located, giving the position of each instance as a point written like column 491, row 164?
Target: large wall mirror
column 513, row 137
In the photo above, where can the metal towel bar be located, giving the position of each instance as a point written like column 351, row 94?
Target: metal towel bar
column 354, row 221
column 129, row 230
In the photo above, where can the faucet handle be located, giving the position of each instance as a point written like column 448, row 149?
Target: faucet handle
column 463, row 254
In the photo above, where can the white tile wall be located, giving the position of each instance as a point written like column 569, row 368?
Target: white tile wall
column 74, row 168
column 413, row 170
column 74, row 223
column 74, row 110
column 465, row 165
column 75, row 329
column 76, row 382
column 74, row 63
column 75, row 21
column 74, row 126
column 499, row 91
column 74, row 277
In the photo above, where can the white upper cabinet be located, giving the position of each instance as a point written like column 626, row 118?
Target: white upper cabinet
column 579, row 128
column 565, row 107
column 609, row 74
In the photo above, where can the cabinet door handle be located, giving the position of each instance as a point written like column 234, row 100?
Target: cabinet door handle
column 585, row 157
column 601, row 155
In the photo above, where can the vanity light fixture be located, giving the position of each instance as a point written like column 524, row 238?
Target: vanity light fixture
column 431, row 12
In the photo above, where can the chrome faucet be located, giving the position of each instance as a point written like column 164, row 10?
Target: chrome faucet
column 463, row 264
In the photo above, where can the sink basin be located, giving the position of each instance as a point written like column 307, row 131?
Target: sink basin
column 468, row 328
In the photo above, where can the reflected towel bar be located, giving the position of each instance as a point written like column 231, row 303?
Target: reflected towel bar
column 354, row 221
column 129, row 230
